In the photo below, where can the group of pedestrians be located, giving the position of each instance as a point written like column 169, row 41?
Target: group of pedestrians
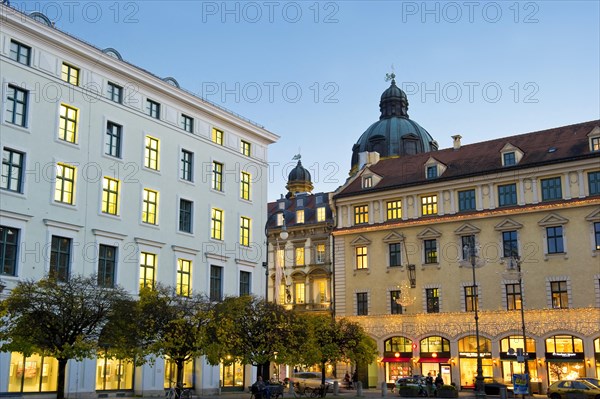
column 430, row 382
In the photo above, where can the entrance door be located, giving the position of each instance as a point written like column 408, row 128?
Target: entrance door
column 445, row 372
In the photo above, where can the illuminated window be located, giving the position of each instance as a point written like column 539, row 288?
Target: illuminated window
column 187, row 165
column 216, row 224
column 433, row 300
column 107, row 262
column 245, row 185
column 64, row 189
column 20, row 52
column 187, row 123
column 60, row 258
column 300, row 216
column 217, row 176
column 67, row 129
column 153, row 109
column 394, row 210
column 299, row 256
column 361, row 258
column 245, row 231
column 320, row 252
column 361, row 214
column 429, row 205
column 217, row 136
column 12, row 170
column 597, row 235
column 34, row 373
column 147, row 269
column 113, row 374
column 151, row 153
column 560, row 299
column 513, row 297
column 430, row 247
column 110, row 196
column 70, row 74
column 245, row 148
column 16, row 105
column 471, row 299
column 367, row 182
column 595, row 143
column 114, row 93
column 150, row 206
column 321, row 214
column 299, row 292
column 184, row 270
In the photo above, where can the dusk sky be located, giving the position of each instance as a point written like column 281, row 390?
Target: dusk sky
column 312, row 72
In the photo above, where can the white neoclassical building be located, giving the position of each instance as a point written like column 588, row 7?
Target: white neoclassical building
column 109, row 169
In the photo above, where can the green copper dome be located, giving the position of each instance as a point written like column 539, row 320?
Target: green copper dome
column 394, row 134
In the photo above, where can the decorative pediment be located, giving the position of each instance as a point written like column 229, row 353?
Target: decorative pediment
column 360, row 241
column 552, row 220
column 594, row 139
column 393, row 237
column 594, row 216
column 429, row 233
column 467, row 229
column 508, row 224
column 595, row 132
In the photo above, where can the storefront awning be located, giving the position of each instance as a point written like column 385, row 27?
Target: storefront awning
column 396, row 359
column 434, row 360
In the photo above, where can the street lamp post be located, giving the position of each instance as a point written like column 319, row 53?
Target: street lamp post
column 517, row 260
column 479, row 386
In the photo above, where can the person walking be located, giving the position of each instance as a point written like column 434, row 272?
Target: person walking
column 429, row 384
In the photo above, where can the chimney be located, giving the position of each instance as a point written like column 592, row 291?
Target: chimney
column 456, row 139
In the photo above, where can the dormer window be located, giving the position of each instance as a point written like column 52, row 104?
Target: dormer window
column 595, row 142
column 509, row 159
column 281, row 205
column 594, row 137
column 432, row 172
column 300, row 202
column 367, row 182
column 280, row 219
column 510, row 155
column 300, row 216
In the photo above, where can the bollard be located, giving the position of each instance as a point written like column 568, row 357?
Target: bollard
column 336, row 388
column 384, row 389
column 502, row 392
column 359, row 388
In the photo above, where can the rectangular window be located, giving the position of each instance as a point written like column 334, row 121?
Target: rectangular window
column 12, row 170
column 433, row 300
column 395, row 254
column 185, row 215
column 594, row 183
column 321, row 214
column 245, row 186
column 216, row 224
column 367, row 182
column 187, row 165
column 468, row 246
column 244, row 231
column 429, row 205
column 245, row 283
column 362, row 304
column 471, row 298
column 20, row 52
column 596, row 144
column 597, row 235
column 217, row 136
column 361, row 258
column 151, row 153
column 107, row 261
column 395, row 307
column 430, row 247
column 513, row 297
column 560, row 299
column 466, row 200
column 394, row 210
column 110, row 196
column 16, row 105
column 320, row 252
column 217, row 176
column 299, row 293
column 187, row 123
column 551, row 189
column 9, row 241
column 150, row 206
column 147, row 269
column 554, row 237
column 361, row 214
column 510, row 244
column 184, row 271
column 509, row 158
column 245, row 148
column 70, row 74
column 60, row 258
column 114, row 93
column 507, row 195
column 299, row 256
column 216, row 283
column 67, row 129
column 114, row 134
column 64, row 189
column 300, row 216
column 153, row 109
column 432, row 172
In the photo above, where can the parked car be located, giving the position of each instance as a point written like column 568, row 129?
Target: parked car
column 593, row 381
column 313, row 380
column 415, row 382
column 559, row 389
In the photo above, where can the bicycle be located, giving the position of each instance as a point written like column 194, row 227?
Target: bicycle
column 176, row 392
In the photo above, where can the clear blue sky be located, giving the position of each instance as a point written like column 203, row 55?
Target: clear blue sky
column 312, row 72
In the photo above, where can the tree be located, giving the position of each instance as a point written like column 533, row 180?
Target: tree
column 251, row 331
column 59, row 319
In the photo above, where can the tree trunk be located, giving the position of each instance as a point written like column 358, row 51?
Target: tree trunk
column 60, row 384
column 179, row 379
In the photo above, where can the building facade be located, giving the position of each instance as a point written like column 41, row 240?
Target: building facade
column 110, row 170
column 426, row 237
